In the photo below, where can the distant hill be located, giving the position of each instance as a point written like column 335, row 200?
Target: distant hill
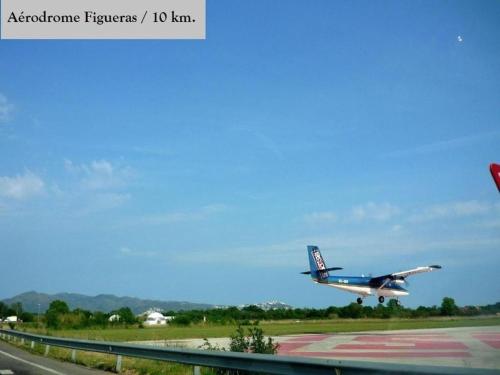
column 101, row 302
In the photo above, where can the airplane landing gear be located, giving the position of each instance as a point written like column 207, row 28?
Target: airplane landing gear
column 381, row 299
column 359, row 300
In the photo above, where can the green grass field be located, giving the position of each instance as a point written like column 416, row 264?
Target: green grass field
column 271, row 328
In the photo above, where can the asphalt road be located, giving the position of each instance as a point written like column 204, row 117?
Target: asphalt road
column 19, row 362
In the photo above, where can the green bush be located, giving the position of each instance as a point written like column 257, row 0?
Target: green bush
column 253, row 342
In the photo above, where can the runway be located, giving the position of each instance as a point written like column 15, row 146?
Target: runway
column 475, row 347
column 471, row 347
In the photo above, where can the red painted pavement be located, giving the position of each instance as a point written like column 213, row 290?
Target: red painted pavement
column 378, row 346
column 492, row 339
column 286, row 347
column 422, row 345
column 386, row 338
column 385, row 354
column 309, row 338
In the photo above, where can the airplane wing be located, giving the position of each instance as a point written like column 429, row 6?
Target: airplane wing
column 380, row 281
column 415, row 271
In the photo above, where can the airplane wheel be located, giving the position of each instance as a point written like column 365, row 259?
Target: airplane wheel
column 381, row 299
column 359, row 300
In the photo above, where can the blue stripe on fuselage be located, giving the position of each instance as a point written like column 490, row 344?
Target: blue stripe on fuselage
column 359, row 281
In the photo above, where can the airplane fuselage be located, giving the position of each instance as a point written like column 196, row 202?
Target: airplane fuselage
column 364, row 286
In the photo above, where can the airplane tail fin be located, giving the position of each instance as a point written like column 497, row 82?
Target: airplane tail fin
column 317, row 266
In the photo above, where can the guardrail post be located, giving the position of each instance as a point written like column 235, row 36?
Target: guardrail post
column 47, row 348
column 32, row 345
column 196, row 370
column 73, row 356
column 118, row 363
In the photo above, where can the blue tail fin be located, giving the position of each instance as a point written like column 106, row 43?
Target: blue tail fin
column 316, row 263
column 317, row 266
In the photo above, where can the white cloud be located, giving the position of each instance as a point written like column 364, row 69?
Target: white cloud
column 21, row 186
column 320, row 217
column 374, row 211
column 126, row 251
column 100, row 174
column 369, row 211
column 439, row 146
column 269, row 144
column 6, row 108
column 103, row 202
column 151, row 151
column 396, row 228
column 269, row 255
column 452, row 210
column 264, row 141
column 202, row 213
column 360, row 252
column 490, row 224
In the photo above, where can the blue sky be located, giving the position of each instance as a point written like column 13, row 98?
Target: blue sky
column 201, row 170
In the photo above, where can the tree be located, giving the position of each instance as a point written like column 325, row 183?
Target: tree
column 381, row 312
column 3, row 310
column 27, row 317
column 353, row 311
column 99, row 318
column 448, row 307
column 17, row 307
column 53, row 315
column 126, row 315
column 59, row 307
column 182, row 320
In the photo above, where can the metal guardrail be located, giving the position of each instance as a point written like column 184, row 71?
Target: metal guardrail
column 258, row 363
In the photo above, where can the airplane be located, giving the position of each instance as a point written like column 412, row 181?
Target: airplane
column 390, row 285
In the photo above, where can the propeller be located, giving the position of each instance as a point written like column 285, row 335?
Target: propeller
column 403, row 279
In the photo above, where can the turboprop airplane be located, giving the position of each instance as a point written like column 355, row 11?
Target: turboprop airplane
column 390, row 285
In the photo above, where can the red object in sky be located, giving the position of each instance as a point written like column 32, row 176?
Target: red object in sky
column 495, row 172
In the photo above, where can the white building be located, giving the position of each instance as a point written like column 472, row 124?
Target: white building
column 114, row 318
column 155, row 318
